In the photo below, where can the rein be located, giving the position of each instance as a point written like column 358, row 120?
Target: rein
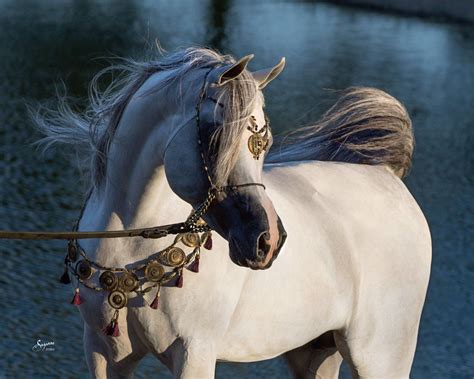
column 154, row 232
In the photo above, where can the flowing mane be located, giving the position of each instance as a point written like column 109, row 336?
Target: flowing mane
column 91, row 132
column 366, row 125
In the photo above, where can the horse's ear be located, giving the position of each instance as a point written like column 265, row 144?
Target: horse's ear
column 263, row 77
column 233, row 71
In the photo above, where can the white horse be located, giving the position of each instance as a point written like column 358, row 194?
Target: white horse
column 351, row 278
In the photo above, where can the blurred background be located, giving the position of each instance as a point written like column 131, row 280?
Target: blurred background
column 422, row 52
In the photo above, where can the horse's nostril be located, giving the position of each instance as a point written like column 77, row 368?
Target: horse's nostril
column 262, row 246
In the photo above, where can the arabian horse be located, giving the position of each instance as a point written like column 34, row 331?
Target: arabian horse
column 348, row 246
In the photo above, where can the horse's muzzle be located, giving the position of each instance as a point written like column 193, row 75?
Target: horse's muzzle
column 265, row 252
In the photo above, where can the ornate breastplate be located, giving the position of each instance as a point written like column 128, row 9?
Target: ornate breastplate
column 163, row 267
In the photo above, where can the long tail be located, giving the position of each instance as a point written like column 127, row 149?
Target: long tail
column 365, row 125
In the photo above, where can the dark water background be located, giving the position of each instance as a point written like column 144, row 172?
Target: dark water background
column 428, row 65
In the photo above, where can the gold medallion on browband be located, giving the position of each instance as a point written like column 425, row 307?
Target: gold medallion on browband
column 258, row 141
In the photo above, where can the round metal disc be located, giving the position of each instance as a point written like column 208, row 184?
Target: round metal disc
column 175, row 256
column 256, row 144
column 191, row 239
column 154, row 271
column 108, row 280
column 128, row 282
column 83, row 269
column 72, row 252
column 117, row 299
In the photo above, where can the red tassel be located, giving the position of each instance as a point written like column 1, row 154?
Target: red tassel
column 77, row 300
column 179, row 282
column 112, row 329
column 64, row 279
column 208, row 243
column 194, row 267
column 156, row 301
column 109, row 329
column 116, row 331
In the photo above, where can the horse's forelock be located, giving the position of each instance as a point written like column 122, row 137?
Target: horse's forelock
column 238, row 98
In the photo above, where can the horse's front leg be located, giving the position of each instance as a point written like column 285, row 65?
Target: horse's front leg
column 96, row 353
column 106, row 356
column 193, row 358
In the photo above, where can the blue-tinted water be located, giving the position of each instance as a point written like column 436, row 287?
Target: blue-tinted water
column 428, row 65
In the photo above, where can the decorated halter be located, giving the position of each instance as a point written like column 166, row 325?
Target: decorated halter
column 166, row 266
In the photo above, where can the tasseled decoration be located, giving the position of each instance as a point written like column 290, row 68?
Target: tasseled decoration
column 77, row 300
column 194, row 267
column 112, row 329
column 65, row 279
column 208, row 243
column 156, row 301
column 179, row 282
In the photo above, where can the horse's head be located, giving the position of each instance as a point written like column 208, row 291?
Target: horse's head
column 222, row 149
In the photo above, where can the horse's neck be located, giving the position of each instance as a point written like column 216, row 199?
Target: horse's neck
column 138, row 146
column 156, row 205
column 151, row 119
column 135, row 192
